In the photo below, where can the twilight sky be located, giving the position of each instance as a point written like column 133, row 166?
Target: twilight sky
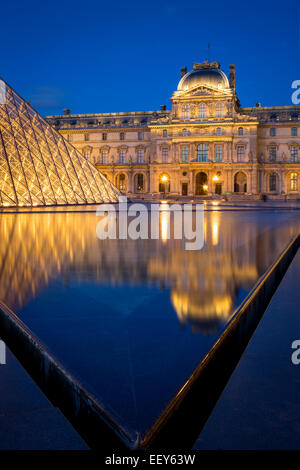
column 95, row 56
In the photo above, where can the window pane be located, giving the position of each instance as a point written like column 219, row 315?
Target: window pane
column 185, row 154
column 202, row 153
column 202, row 111
column 240, row 153
column 294, row 154
column 272, row 154
column 219, row 153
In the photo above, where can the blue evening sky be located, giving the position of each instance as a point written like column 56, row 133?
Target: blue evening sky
column 109, row 56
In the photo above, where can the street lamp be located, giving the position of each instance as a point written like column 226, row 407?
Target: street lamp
column 164, row 178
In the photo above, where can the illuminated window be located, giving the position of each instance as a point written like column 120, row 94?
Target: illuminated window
column 140, row 156
column 219, row 110
column 240, row 153
column 122, row 156
column 241, row 131
column 272, row 131
column 294, row 181
column 272, row 154
column 202, row 153
column 185, row 154
column 294, row 154
column 140, row 135
column 86, row 137
column 87, row 154
column 202, row 111
column 121, row 182
column 122, row 135
column 185, row 111
column 165, row 133
column 219, row 153
column 165, row 155
column 219, row 131
column 104, row 157
column 184, row 132
column 104, row 136
column 139, row 182
column 294, row 131
column 69, row 138
column 272, row 182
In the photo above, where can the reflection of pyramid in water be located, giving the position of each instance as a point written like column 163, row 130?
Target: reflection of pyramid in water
column 38, row 166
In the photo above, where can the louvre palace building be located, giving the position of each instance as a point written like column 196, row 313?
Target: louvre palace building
column 206, row 144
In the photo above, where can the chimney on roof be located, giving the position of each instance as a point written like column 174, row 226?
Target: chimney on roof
column 67, row 112
column 232, row 76
column 183, row 71
column 163, row 107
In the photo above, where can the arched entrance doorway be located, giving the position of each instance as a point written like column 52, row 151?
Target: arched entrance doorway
column 201, row 183
column 217, row 180
column 164, row 183
column 240, row 182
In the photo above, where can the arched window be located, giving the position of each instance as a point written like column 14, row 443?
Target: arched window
column 165, row 133
column 272, row 182
column 293, row 181
column 121, row 182
column 219, row 131
column 139, row 182
column 202, row 111
column 184, row 132
column 202, row 153
column 219, row 110
column 241, row 131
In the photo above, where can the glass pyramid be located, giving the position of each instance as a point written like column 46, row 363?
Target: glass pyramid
column 38, row 167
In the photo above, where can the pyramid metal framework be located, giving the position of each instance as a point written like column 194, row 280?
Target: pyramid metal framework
column 38, row 167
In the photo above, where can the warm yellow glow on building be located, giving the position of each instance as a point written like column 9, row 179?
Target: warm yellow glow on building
column 164, row 178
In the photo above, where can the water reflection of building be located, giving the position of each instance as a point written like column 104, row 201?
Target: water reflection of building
column 204, row 285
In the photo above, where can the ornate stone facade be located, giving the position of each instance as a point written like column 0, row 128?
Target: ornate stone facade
column 205, row 144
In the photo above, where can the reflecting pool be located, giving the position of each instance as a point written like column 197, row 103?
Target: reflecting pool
column 132, row 318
